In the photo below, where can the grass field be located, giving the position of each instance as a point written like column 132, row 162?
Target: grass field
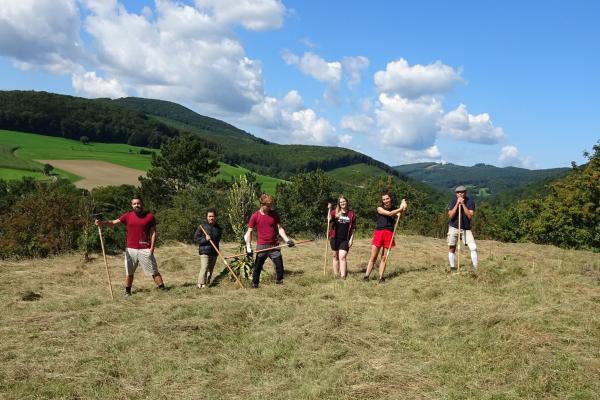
column 526, row 327
column 39, row 147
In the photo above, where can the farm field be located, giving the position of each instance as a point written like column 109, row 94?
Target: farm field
column 527, row 326
column 32, row 147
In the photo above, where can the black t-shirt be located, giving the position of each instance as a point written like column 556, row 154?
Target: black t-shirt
column 385, row 221
column 465, row 222
column 342, row 225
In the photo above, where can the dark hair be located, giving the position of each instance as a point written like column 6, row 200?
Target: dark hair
column 211, row 210
column 138, row 198
column 391, row 198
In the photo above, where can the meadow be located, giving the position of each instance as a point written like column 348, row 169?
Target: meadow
column 526, row 326
column 30, row 147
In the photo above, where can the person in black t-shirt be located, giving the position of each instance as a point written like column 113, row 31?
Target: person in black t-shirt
column 343, row 224
column 383, row 236
column 467, row 211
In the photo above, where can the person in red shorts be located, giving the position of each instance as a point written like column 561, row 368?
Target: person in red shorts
column 141, row 239
column 383, row 236
column 266, row 222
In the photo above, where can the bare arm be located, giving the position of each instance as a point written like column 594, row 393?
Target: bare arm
column 112, row 223
column 282, row 233
column 152, row 239
column 248, row 239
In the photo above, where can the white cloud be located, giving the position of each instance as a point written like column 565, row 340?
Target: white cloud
column 354, row 67
column 461, row 125
column 408, row 123
column 289, row 121
column 359, row 123
column 88, row 84
column 510, row 156
column 256, row 15
column 182, row 54
column 413, row 156
column 316, row 67
column 418, row 80
column 41, row 33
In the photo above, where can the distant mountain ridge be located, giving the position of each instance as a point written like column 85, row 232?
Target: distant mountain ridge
column 482, row 179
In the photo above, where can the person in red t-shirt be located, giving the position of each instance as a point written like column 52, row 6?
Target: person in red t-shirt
column 141, row 239
column 266, row 222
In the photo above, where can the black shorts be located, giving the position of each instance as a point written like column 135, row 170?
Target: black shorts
column 339, row 244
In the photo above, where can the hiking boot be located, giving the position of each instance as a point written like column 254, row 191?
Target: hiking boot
column 366, row 278
column 254, row 285
column 279, row 282
column 126, row 294
column 381, row 280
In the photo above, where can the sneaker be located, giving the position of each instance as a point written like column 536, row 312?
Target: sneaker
column 453, row 270
column 254, row 285
column 381, row 279
column 201, row 286
column 366, row 278
column 126, row 294
column 279, row 282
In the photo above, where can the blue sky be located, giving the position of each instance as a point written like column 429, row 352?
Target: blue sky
column 504, row 83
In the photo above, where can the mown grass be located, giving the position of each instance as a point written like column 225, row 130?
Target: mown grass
column 526, row 327
column 9, row 161
column 39, row 147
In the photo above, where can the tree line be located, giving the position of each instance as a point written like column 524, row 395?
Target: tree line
column 38, row 219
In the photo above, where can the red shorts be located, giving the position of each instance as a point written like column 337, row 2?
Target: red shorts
column 382, row 238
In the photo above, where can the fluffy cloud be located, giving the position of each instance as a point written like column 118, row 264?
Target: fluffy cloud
column 186, row 53
column 91, row 85
column 408, row 123
column 461, row 125
column 412, row 156
column 359, row 123
column 316, row 67
column 257, row 15
column 329, row 72
column 41, row 32
column 181, row 54
column 289, row 121
column 510, row 156
column 354, row 67
column 417, row 80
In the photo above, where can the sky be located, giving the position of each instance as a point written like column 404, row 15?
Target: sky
column 507, row 83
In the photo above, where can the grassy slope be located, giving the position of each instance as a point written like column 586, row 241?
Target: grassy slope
column 357, row 174
column 35, row 147
column 527, row 327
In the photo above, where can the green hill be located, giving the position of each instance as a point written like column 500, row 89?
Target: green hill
column 18, row 150
column 482, row 179
column 239, row 147
column 148, row 123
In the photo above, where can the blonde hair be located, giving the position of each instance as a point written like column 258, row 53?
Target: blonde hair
column 338, row 209
column 266, row 199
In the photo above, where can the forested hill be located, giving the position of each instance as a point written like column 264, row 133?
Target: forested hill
column 482, row 179
column 147, row 122
column 178, row 113
column 240, row 147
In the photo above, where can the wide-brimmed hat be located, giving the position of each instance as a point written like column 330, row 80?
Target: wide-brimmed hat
column 460, row 188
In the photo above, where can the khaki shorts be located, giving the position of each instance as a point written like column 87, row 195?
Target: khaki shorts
column 133, row 257
column 467, row 236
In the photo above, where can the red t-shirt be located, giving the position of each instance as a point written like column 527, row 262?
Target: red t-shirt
column 138, row 229
column 266, row 227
